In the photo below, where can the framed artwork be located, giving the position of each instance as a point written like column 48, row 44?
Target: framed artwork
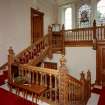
column 84, row 16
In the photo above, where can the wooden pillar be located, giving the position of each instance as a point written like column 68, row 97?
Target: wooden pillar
column 56, row 100
column 63, row 83
column 89, row 83
column 36, row 77
column 83, row 90
column 89, row 76
column 94, row 35
column 10, row 61
column 50, row 87
column 41, row 78
column 33, row 80
column 50, row 41
column 63, row 39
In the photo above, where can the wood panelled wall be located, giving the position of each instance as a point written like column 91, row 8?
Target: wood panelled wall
column 100, row 73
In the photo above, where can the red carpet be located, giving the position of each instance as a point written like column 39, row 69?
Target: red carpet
column 102, row 97
column 96, row 90
column 3, row 77
column 8, row 98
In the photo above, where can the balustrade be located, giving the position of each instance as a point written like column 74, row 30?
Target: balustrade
column 36, row 51
column 62, row 88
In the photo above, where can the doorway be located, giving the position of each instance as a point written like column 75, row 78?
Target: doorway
column 36, row 25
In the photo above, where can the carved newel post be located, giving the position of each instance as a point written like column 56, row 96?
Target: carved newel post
column 94, row 35
column 82, row 79
column 89, row 82
column 63, row 83
column 10, row 61
column 50, row 41
column 63, row 39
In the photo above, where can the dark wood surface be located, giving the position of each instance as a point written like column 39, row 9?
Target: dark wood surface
column 34, row 89
column 100, row 64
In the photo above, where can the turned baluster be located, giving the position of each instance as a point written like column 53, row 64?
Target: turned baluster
column 21, row 71
column 39, row 47
column 46, row 80
column 36, row 77
column 33, row 81
column 50, row 87
column 41, row 76
column 24, row 73
column 43, row 45
column 45, row 83
column 56, row 98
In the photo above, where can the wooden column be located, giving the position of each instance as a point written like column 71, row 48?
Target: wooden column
column 41, row 80
column 63, row 83
column 89, row 83
column 36, row 77
column 50, row 41
column 50, row 87
column 63, row 39
column 94, row 35
column 56, row 100
column 10, row 61
column 83, row 90
column 33, row 80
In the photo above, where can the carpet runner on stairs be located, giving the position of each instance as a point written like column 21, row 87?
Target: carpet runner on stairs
column 102, row 97
column 3, row 75
column 8, row 98
column 96, row 89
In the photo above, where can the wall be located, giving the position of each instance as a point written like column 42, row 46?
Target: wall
column 15, row 27
column 78, row 59
column 81, row 59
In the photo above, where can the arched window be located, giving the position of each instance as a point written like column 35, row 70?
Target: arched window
column 68, row 18
column 84, row 16
column 101, row 12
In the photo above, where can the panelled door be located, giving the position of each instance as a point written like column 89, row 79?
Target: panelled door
column 36, row 25
column 100, row 65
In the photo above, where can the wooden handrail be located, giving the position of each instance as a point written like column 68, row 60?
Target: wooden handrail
column 29, row 47
column 59, row 82
column 30, row 68
column 74, row 79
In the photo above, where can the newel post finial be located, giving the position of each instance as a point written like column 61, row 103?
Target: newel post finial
column 49, row 28
column 94, row 23
column 94, row 35
column 10, row 62
column 63, row 27
column 10, row 50
column 82, row 79
column 89, row 76
column 62, row 60
column 82, row 76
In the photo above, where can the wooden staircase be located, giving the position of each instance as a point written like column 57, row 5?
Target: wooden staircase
column 63, row 89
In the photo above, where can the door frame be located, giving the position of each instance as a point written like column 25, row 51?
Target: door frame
column 33, row 13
